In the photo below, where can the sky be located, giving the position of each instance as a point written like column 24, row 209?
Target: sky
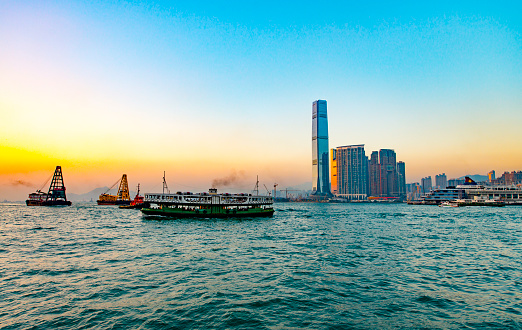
column 210, row 90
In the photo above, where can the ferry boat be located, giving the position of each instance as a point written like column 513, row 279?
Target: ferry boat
column 475, row 194
column 208, row 205
column 54, row 197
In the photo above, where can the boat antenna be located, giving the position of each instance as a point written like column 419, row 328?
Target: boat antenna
column 256, row 188
column 165, row 187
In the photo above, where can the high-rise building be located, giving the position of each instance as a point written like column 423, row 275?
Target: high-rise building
column 455, row 182
column 401, row 178
column 388, row 162
column 333, row 170
column 352, row 172
column 441, row 181
column 426, row 184
column 320, row 150
column 375, row 174
column 491, row 176
column 384, row 179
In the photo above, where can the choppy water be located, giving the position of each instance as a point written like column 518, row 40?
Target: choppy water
column 317, row 266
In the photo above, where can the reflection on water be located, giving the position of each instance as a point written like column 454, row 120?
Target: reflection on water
column 311, row 265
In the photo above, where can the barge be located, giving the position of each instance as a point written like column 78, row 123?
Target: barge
column 54, row 197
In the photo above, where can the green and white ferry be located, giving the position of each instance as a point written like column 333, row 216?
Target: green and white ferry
column 208, row 205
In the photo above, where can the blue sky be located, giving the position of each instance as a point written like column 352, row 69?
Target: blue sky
column 233, row 83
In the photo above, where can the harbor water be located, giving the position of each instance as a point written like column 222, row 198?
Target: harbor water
column 317, row 266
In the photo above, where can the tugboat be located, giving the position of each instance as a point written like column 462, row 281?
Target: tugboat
column 121, row 198
column 208, row 205
column 137, row 203
column 54, row 197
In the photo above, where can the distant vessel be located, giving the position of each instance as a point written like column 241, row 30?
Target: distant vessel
column 121, row 198
column 448, row 204
column 137, row 202
column 472, row 194
column 207, row 205
column 55, row 196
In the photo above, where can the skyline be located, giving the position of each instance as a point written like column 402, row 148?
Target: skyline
column 204, row 92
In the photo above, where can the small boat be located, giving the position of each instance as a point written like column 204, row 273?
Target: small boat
column 54, row 197
column 448, row 204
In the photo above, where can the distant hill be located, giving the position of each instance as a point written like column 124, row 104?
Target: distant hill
column 476, row 177
column 93, row 195
column 303, row 186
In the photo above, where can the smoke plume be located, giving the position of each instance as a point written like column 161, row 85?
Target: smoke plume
column 232, row 179
column 23, row 183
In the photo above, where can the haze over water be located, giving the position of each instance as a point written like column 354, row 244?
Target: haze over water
column 310, row 266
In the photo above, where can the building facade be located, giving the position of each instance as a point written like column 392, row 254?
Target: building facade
column 375, row 174
column 384, row 177
column 388, row 164
column 441, row 181
column 320, row 150
column 491, row 176
column 333, row 170
column 352, row 172
column 509, row 178
column 455, row 182
column 427, row 185
column 401, row 178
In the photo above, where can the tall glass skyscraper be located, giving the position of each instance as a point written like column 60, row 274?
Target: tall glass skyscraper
column 320, row 150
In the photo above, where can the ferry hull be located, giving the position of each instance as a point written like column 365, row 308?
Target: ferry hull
column 47, row 203
column 175, row 213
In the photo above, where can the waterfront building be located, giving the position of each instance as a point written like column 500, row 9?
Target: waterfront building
column 375, row 174
column 426, row 184
column 320, row 150
column 388, row 164
column 401, row 175
column 383, row 176
column 441, row 181
column 352, row 172
column 333, row 170
column 508, row 178
column 491, row 176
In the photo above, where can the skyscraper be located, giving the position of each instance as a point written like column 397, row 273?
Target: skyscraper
column 320, row 150
column 388, row 162
column 426, row 185
column 387, row 177
column 491, row 176
column 333, row 170
column 352, row 172
column 401, row 176
column 375, row 175
column 441, row 181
